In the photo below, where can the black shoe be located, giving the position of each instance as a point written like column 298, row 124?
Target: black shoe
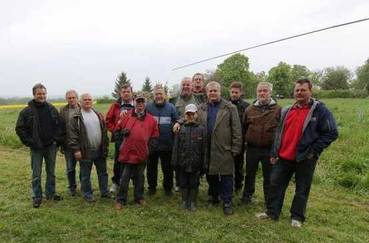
column 227, row 209
column 151, row 192
column 212, row 200
column 90, row 199
column 37, row 203
column 168, row 193
column 54, row 197
column 246, row 201
column 72, row 193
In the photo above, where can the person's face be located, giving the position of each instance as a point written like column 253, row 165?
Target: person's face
column 140, row 105
column 213, row 93
column 40, row 95
column 126, row 94
column 186, row 87
column 235, row 94
column 72, row 99
column 191, row 116
column 302, row 93
column 159, row 96
column 198, row 81
column 263, row 93
column 87, row 102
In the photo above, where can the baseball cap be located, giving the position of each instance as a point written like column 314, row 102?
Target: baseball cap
column 190, row 108
column 140, row 96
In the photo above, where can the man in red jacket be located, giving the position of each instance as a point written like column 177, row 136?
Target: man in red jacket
column 140, row 131
column 121, row 106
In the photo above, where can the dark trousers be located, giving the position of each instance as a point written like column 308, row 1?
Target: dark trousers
column 189, row 180
column 281, row 176
column 37, row 156
column 117, row 166
column 136, row 172
column 238, row 171
column 152, row 170
column 253, row 157
column 71, row 169
column 99, row 160
column 221, row 185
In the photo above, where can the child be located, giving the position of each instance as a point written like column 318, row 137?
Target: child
column 189, row 157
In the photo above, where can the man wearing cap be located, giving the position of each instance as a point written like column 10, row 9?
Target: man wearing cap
column 116, row 110
column 166, row 115
column 140, row 131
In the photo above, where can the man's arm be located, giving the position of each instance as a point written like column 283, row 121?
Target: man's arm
column 236, row 131
column 110, row 119
column 22, row 130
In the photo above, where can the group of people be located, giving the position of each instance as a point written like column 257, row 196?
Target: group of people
column 197, row 133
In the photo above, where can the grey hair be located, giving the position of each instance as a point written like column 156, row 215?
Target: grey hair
column 266, row 84
column 85, row 94
column 71, row 91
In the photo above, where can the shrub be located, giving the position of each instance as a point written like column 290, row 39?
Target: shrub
column 323, row 94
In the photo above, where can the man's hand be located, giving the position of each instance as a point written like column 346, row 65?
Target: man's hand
column 78, row 155
column 176, row 127
column 273, row 160
column 123, row 113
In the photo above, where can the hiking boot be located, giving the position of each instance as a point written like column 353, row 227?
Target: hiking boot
column 227, row 209
column 193, row 199
column 114, row 188
column 37, row 202
column 296, row 223
column 54, row 197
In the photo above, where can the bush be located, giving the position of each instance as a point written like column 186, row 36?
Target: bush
column 105, row 100
column 342, row 93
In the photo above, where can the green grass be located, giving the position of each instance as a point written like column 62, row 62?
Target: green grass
column 338, row 209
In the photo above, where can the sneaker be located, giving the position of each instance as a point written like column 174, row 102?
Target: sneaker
column 262, row 216
column 142, row 202
column 114, row 188
column 90, row 199
column 37, row 202
column 295, row 223
column 54, row 197
column 227, row 209
column 118, row 206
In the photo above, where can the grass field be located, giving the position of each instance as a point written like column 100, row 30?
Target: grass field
column 338, row 209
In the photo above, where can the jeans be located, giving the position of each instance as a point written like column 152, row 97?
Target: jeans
column 221, row 185
column 117, row 166
column 253, row 157
column 189, row 180
column 37, row 156
column 136, row 172
column 86, row 166
column 152, row 170
column 71, row 169
column 281, row 176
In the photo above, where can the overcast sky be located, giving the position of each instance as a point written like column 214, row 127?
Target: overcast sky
column 85, row 44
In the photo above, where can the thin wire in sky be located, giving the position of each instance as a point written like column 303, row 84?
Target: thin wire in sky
column 272, row 42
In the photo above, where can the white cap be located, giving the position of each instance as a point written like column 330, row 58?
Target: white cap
column 190, row 108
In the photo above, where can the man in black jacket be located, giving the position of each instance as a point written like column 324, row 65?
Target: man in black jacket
column 38, row 127
column 241, row 104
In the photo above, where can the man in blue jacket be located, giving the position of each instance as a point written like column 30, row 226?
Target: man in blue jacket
column 306, row 128
column 166, row 115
